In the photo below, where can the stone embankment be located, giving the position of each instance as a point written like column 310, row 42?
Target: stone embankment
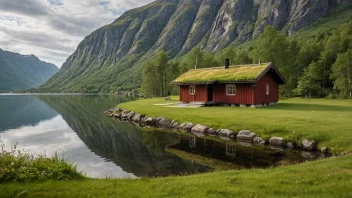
column 243, row 136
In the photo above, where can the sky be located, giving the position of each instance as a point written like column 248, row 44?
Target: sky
column 52, row 29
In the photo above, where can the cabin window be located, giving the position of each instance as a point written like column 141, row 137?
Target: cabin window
column 230, row 90
column 267, row 89
column 192, row 90
column 230, row 150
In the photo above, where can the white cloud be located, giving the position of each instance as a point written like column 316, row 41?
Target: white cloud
column 52, row 29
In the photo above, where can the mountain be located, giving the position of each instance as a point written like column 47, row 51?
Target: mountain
column 23, row 71
column 111, row 58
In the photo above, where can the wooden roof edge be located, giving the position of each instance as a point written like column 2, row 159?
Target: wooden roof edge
column 267, row 69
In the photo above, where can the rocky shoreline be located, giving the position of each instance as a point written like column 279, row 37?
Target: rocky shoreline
column 243, row 136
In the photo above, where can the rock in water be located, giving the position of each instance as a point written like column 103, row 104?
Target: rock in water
column 117, row 115
column 164, row 123
column 290, row 145
column 172, row 122
column 278, row 141
column 309, row 145
column 130, row 115
column 150, row 121
column 198, row 128
column 258, row 141
column 174, row 125
column 211, row 131
column 246, row 136
column 143, row 121
column 138, row 117
column 158, row 119
column 227, row 133
column 187, row 126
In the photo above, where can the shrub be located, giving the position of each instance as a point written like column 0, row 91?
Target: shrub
column 21, row 166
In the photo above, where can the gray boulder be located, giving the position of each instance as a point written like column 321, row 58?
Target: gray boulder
column 117, row 115
column 164, row 123
column 150, row 121
column 309, row 145
column 198, row 128
column 174, row 125
column 211, row 131
column 172, row 122
column 117, row 110
column 143, row 120
column 257, row 140
column 130, row 115
column 278, row 141
column 137, row 117
column 158, row 119
column 246, row 136
column 217, row 131
column 187, row 126
column 290, row 145
column 124, row 116
column 227, row 133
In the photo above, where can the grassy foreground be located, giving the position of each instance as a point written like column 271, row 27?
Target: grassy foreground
column 326, row 178
column 325, row 121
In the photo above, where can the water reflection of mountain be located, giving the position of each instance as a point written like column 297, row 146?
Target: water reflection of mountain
column 139, row 152
column 23, row 110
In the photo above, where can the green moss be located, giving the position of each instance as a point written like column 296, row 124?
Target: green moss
column 219, row 74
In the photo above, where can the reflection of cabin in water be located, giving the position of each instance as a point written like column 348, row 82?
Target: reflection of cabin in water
column 228, row 151
column 248, row 85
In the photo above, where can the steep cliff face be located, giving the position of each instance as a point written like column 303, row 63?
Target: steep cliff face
column 113, row 53
column 23, row 71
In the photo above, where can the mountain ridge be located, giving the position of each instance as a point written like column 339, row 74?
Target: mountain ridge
column 113, row 53
column 19, row 71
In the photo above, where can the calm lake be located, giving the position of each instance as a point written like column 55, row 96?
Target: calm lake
column 75, row 127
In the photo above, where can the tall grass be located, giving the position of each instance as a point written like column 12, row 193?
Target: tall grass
column 22, row 166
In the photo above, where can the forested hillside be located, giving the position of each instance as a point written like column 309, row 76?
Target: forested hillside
column 23, row 71
column 113, row 57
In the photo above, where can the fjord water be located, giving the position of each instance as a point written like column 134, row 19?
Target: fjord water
column 75, row 127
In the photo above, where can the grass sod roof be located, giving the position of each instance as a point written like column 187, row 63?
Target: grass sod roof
column 239, row 73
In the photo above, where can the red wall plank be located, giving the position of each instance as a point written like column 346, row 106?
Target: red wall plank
column 244, row 94
column 200, row 95
column 260, row 90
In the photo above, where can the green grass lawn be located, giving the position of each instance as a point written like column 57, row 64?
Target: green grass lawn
column 328, row 122
column 325, row 120
column 325, row 178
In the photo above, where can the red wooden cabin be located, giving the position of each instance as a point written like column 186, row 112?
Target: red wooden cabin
column 244, row 85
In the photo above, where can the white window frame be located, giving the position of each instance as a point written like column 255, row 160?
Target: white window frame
column 192, row 90
column 233, row 89
column 267, row 89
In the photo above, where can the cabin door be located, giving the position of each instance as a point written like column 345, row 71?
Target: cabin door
column 210, row 89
